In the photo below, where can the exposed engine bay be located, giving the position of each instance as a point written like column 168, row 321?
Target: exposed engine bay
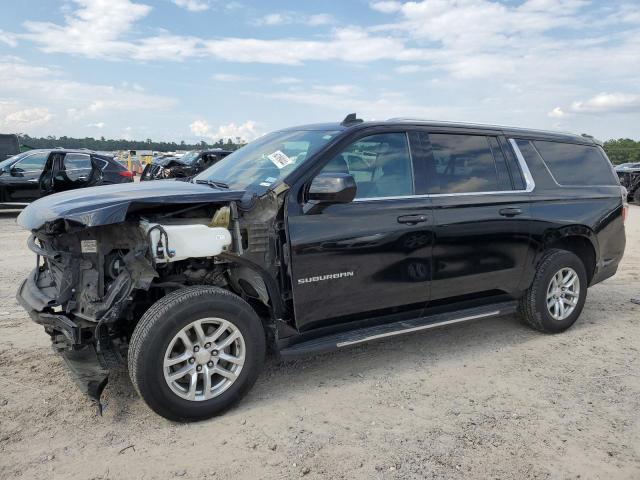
column 92, row 284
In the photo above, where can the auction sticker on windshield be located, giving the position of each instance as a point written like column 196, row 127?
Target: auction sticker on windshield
column 279, row 159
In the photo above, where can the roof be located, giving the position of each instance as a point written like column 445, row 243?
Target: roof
column 217, row 150
column 506, row 130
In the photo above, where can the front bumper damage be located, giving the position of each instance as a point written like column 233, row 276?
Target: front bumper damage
column 88, row 367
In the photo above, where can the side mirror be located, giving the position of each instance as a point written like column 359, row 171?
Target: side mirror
column 333, row 188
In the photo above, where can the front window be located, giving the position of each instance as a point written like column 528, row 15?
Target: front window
column 267, row 159
column 9, row 161
column 380, row 164
column 32, row 163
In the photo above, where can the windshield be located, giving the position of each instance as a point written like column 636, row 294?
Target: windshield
column 267, row 159
column 189, row 157
column 6, row 163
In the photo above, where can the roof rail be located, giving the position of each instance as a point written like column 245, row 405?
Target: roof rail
column 475, row 124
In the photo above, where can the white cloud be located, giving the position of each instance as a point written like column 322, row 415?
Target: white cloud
column 386, row 6
column 557, row 113
column 286, row 80
column 288, row 18
column 608, row 103
column 319, row 19
column 97, row 125
column 272, row 19
column 229, row 77
column 99, row 30
column 350, row 44
column 369, row 105
column 337, row 89
column 410, row 68
column 38, row 86
column 465, row 39
column 15, row 118
column 93, row 30
column 193, row 5
column 8, row 38
column 246, row 131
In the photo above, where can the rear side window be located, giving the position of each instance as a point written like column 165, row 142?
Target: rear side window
column 576, row 165
column 77, row 161
column 465, row 164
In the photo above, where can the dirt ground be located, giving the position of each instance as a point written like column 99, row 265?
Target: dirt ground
column 491, row 399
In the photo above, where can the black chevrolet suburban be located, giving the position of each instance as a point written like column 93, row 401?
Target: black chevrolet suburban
column 316, row 238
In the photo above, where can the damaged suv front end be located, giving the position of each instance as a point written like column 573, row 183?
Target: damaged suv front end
column 99, row 267
column 107, row 254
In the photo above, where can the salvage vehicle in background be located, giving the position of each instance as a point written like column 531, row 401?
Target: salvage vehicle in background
column 316, row 238
column 9, row 145
column 629, row 176
column 33, row 174
column 189, row 164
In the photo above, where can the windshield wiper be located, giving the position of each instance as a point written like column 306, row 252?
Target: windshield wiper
column 214, row 183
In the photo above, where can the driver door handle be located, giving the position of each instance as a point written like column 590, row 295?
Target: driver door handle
column 412, row 219
column 510, row 212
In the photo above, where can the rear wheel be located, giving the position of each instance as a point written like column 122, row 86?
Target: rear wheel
column 557, row 294
column 196, row 352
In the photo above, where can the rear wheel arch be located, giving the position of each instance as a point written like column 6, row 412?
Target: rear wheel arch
column 582, row 245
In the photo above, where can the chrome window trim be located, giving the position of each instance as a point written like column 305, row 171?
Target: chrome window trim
column 530, row 184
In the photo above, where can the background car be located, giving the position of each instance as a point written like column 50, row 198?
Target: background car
column 629, row 176
column 187, row 165
column 627, row 166
column 30, row 175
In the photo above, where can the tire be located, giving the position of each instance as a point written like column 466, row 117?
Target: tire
column 156, row 339
column 533, row 307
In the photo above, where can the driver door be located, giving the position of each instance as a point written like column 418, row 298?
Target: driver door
column 22, row 183
column 371, row 256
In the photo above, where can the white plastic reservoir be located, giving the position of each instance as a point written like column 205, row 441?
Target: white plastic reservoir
column 186, row 241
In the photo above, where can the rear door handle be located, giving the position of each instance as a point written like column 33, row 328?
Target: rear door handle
column 412, row 219
column 510, row 212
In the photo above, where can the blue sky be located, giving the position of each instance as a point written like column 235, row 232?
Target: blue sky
column 205, row 69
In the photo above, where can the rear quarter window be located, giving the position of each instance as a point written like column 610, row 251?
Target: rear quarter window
column 576, row 165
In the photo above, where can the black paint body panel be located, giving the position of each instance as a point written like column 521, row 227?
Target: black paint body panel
column 465, row 250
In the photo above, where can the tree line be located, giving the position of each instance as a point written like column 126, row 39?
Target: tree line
column 122, row 144
column 623, row 150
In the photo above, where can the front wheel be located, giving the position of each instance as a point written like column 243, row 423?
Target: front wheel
column 557, row 294
column 196, row 352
